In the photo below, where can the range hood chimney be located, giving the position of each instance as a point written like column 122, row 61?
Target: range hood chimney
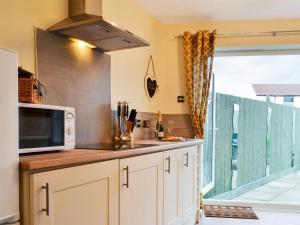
column 85, row 22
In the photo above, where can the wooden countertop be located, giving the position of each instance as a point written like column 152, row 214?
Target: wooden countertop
column 49, row 161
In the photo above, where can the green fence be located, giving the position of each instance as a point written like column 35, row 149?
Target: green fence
column 260, row 142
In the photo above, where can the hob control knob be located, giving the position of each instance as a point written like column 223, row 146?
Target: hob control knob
column 69, row 116
column 69, row 131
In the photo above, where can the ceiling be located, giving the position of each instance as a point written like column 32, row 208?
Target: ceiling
column 192, row 11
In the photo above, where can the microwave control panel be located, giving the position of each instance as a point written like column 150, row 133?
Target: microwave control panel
column 69, row 128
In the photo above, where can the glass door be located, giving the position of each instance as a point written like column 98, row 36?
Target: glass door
column 208, row 153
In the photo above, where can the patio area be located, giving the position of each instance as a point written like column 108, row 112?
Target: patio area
column 284, row 190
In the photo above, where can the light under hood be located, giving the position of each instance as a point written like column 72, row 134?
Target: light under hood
column 94, row 30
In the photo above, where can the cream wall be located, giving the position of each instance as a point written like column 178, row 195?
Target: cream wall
column 129, row 66
column 173, row 51
column 18, row 17
column 17, row 21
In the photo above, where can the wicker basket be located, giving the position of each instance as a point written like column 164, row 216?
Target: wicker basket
column 28, row 91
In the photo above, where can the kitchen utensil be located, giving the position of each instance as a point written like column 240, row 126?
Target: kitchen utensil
column 125, row 124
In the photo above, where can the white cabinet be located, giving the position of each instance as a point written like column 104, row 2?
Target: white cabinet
column 180, row 186
column 153, row 189
column 141, row 190
column 87, row 194
column 189, row 185
column 173, row 187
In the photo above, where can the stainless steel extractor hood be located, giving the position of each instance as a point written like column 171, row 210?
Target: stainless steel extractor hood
column 86, row 23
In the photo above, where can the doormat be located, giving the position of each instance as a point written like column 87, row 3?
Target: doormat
column 238, row 212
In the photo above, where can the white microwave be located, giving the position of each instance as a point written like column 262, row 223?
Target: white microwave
column 45, row 128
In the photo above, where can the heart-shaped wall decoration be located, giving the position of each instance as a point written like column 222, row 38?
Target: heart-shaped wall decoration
column 150, row 86
column 150, row 81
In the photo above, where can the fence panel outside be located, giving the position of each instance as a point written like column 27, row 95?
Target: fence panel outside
column 258, row 141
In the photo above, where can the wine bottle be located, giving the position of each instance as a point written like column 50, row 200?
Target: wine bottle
column 159, row 127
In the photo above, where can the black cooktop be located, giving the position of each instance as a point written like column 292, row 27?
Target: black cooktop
column 112, row 146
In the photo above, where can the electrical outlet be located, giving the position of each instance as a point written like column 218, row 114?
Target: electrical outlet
column 138, row 123
column 146, row 123
column 180, row 98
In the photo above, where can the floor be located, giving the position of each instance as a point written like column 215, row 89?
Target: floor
column 265, row 218
column 284, row 190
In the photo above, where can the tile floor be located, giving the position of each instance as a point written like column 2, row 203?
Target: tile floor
column 265, row 218
column 284, row 190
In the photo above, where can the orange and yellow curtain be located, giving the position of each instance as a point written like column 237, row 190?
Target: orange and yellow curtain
column 198, row 63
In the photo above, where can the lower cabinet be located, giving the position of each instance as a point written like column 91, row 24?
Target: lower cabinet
column 189, row 185
column 141, row 190
column 79, row 195
column 180, row 187
column 153, row 189
column 173, row 187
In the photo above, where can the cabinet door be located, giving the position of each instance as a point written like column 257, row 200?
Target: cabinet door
column 79, row 195
column 189, row 185
column 141, row 190
column 173, row 187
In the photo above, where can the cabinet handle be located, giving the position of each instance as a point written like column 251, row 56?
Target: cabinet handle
column 127, row 176
column 169, row 164
column 187, row 159
column 46, row 187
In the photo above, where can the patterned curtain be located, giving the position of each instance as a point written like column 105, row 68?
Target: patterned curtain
column 198, row 62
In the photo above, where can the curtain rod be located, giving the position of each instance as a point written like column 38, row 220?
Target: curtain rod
column 255, row 34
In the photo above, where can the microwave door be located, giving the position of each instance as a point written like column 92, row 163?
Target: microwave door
column 41, row 129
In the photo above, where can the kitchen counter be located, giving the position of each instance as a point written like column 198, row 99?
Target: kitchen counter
column 49, row 161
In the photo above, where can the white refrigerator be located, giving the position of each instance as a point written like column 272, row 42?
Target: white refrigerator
column 9, row 156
